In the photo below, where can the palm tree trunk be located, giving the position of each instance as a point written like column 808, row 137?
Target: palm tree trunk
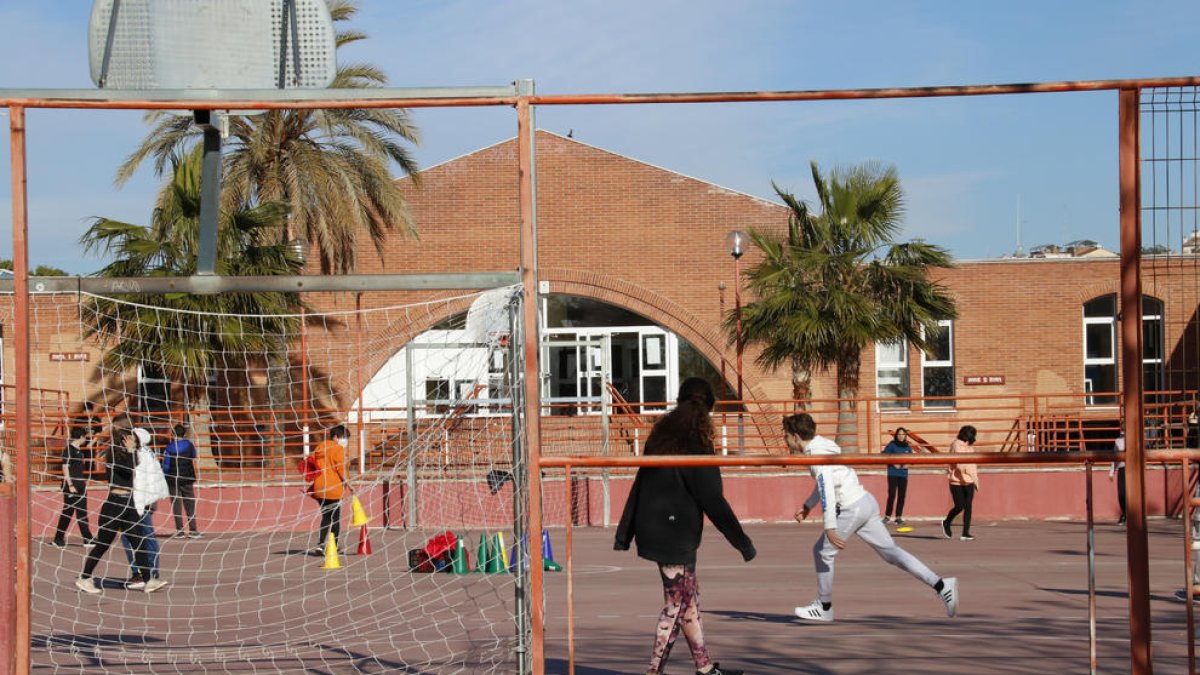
column 847, row 424
column 801, row 385
column 278, row 396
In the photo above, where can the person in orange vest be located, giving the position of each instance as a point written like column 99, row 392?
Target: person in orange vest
column 330, row 484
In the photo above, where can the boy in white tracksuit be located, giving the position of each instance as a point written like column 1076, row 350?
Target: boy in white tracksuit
column 848, row 509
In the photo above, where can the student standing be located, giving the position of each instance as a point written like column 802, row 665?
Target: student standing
column 74, row 490
column 330, row 485
column 179, row 466
column 897, row 476
column 964, row 482
column 847, row 510
column 665, row 516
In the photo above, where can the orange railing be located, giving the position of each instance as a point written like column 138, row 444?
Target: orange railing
column 262, row 444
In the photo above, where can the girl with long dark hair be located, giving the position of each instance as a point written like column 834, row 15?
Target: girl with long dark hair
column 964, row 481
column 665, row 515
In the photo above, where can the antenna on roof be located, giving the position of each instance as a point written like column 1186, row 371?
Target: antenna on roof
column 1020, row 252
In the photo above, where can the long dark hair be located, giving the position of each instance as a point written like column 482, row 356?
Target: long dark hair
column 686, row 430
column 896, row 436
column 967, row 434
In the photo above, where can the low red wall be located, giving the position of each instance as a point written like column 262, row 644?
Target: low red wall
column 1003, row 494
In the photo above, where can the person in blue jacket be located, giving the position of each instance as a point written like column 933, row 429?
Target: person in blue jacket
column 665, row 516
column 179, row 458
column 897, row 476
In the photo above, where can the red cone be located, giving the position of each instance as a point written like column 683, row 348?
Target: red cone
column 364, row 544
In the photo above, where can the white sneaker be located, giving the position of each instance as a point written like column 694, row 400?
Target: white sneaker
column 135, row 585
column 87, row 586
column 815, row 612
column 949, row 595
column 154, row 585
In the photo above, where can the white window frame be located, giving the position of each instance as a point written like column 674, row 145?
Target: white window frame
column 1161, row 347
column 890, row 403
column 1110, row 360
column 926, row 362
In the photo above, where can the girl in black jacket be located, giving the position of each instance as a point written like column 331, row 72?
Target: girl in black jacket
column 665, row 515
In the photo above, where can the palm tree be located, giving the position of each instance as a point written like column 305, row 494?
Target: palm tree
column 838, row 283
column 331, row 166
column 199, row 335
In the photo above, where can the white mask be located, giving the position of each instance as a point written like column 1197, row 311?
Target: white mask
column 343, row 441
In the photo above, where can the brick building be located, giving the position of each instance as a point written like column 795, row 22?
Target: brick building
column 1035, row 340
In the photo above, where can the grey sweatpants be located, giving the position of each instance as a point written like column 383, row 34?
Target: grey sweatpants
column 862, row 518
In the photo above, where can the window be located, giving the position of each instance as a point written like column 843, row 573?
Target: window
column 891, row 374
column 1152, row 344
column 937, row 366
column 437, row 396
column 1100, row 347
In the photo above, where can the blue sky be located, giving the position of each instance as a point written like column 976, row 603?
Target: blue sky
column 966, row 164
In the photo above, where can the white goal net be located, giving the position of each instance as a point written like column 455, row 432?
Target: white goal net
column 425, row 392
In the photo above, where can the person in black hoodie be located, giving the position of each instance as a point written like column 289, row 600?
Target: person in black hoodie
column 74, row 489
column 118, row 514
column 665, row 516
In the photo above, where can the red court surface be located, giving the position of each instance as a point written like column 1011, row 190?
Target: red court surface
column 1023, row 608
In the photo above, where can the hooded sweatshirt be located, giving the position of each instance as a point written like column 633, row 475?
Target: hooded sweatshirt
column 837, row 486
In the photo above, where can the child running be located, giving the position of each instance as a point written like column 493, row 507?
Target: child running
column 848, row 510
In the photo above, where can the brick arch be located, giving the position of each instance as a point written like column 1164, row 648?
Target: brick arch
column 708, row 339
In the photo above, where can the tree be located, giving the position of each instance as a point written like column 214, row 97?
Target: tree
column 203, row 334
column 331, row 166
column 838, row 282
column 39, row 271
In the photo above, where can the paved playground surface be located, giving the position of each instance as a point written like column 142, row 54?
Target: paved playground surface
column 1023, row 608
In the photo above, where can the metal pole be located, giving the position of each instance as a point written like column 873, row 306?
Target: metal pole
column 410, row 476
column 570, row 573
column 516, row 367
column 210, row 194
column 1189, row 559
column 737, row 308
column 23, row 627
column 1091, row 563
column 532, row 427
column 1137, row 545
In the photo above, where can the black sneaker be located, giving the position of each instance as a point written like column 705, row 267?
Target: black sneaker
column 899, row 522
column 58, row 544
column 967, row 537
column 718, row 670
column 946, row 530
column 887, row 519
column 1121, row 520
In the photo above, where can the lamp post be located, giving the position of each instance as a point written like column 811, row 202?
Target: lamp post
column 737, row 248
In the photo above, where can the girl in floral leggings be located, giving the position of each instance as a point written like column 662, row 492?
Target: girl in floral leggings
column 665, row 514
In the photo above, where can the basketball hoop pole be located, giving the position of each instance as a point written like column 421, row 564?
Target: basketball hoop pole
column 210, row 193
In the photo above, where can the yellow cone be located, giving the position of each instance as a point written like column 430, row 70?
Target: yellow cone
column 331, row 556
column 503, row 554
column 360, row 516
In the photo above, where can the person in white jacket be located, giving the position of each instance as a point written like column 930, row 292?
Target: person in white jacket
column 848, row 509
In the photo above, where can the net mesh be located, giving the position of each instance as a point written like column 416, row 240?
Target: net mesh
column 430, row 451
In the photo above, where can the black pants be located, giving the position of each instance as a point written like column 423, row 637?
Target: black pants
column 74, row 505
column 331, row 521
column 1121, row 490
column 897, row 489
column 116, row 516
column 963, row 495
column 183, row 498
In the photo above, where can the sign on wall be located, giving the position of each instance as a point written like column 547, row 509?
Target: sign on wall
column 60, row 357
column 983, row 379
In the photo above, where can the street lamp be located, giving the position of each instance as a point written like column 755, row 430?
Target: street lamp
column 736, row 240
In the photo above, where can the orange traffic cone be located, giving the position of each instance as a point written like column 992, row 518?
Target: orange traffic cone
column 364, row 542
